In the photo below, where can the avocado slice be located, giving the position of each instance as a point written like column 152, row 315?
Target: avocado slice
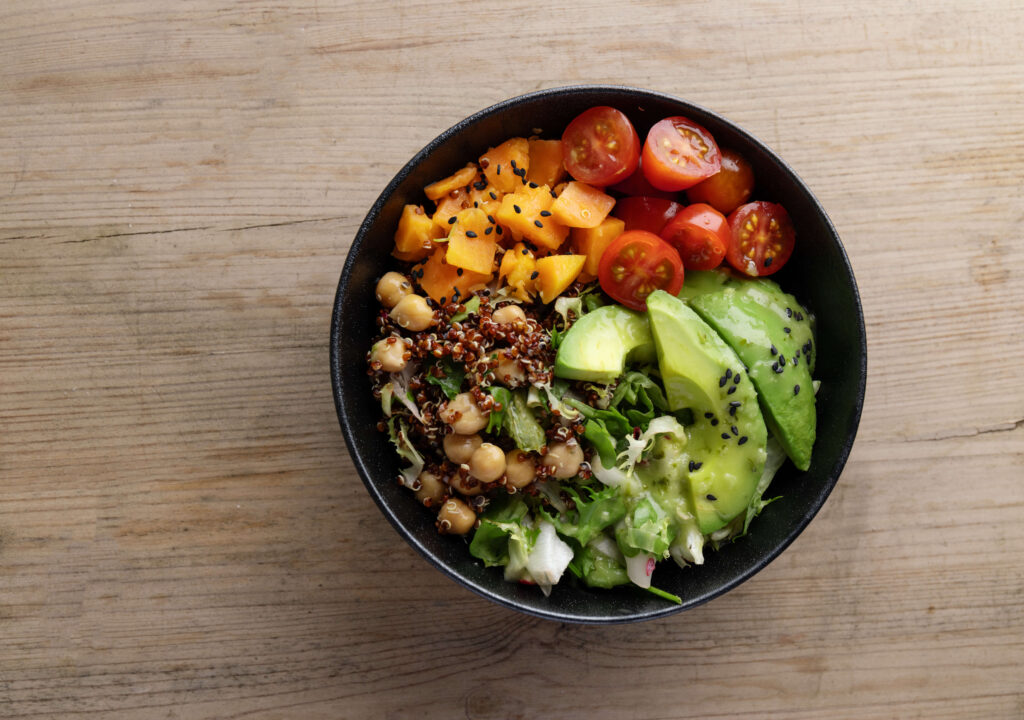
column 598, row 345
column 774, row 337
column 726, row 443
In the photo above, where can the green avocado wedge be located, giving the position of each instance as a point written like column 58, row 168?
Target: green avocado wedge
column 774, row 337
column 727, row 440
column 599, row 344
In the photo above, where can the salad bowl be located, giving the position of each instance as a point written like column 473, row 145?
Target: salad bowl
column 818, row 274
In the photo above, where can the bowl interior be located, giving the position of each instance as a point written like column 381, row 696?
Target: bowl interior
column 818, row 273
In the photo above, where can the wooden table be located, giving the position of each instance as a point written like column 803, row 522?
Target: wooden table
column 182, row 534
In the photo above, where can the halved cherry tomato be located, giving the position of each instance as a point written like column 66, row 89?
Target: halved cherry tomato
column 645, row 213
column 762, row 238
column 600, row 146
column 679, row 153
column 638, row 184
column 636, row 264
column 728, row 188
column 700, row 234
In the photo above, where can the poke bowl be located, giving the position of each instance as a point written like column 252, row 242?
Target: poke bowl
column 817, row 273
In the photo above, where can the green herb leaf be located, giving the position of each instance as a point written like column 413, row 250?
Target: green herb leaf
column 496, row 418
column 451, row 382
column 472, row 306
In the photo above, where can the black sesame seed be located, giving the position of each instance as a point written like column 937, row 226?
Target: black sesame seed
column 711, row 497
column 734, row 430
column 534, row 275
column 732, row 410
column 773, row 350
column 728, row 373
column 799, row 316
column 725, row 436
column 498, row 170
column 796, row 359
column 452, row 219
column 709, row 414
column 796, row 389
column 489, row 230
column 459, row 272
column 444, row 299
column 470, row 234
column 743, row 439
column 734, row 403
column 490, row 219
column 497, row 229
column 553, row 193
column 778, row 369
column 782, row 359
column 493, row 197
column 731, row 390
column 538, row 223
column 517, row 209
column 722, row 381
column 534, row 185
column 775, row 366
column 789, row 312
column 691, row 466
column 768, row 261
column 697, row 464
column 525, row 251
column 545, row 213
column 714, row 421
column 787, row 330
column 736, row 379
column 512, row 163
column 480, row 185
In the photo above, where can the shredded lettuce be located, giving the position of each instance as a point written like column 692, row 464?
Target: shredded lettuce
column 452, row 376
column 646, row 528
column 592, row 514
column 400, row 384
column 399, row 434
column 496, row 417
column 521, row 425
column 386, row 394
column 600, row 564
column 501, row 519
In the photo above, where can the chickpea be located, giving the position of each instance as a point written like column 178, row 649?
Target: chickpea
column 563, row 459
column 413, row 313
column 487, row 463
column 508, row 314
column 467, row 486
column 509, row 370
column 455, row 517
column 390, row 353
column 520, row 469
column 459, row 448
column 431, row 489
column 463, row 414
column 391, row 288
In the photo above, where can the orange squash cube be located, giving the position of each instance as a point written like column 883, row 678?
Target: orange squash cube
column 555, row 273
column 517, row 267
column 580, row 205
column 460, row 179
column 471, row 244
column 449, row 206
column 443, row 281
column 526, row 214
column 592, row 242
column 486, row 197
column 416, row 233
column 546, row 166
column 506, row 165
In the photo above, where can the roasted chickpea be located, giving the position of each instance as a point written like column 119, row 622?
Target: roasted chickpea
column 463, row 414
column 459, row 448
column 563, row 459
column 390, row 353
column 431, row 489
column 520, row 469
column 487, row 463
column 455, row 517
column 392, row 287
column 509, row 370
column 413, row 313
column 508, row 314
column 467, row 486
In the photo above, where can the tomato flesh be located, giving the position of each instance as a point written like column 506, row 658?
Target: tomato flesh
column 728, row 188
column 761, row 238
column 645, row 213
column 700, row 234
column 600, row 147
column 678, row 153
column 636, row 264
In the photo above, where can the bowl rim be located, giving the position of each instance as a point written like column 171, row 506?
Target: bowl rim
column 349, row 432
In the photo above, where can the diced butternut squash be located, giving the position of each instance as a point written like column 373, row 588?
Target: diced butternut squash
column 582, row 206
column 506, row 165
column 471, row 244
column 517, row 270
column 416, row 234
column 449, row 206
column 526, row 213
column 437, row 190
column 443, row 281
column 593, row 241
column 486, row 197
column 546, row 166
column 555, row 273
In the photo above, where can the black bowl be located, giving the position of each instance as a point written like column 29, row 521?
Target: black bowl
column 818, row 273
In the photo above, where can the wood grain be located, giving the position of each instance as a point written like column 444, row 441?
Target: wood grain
column 182, row 533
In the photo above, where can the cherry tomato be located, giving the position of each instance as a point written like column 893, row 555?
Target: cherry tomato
column 637, row 184
column 728, row 188
column 700, row 234
column 600, row 147
column 645, row 213
column 636, row 264
column 679, row 153
column 762, row 238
